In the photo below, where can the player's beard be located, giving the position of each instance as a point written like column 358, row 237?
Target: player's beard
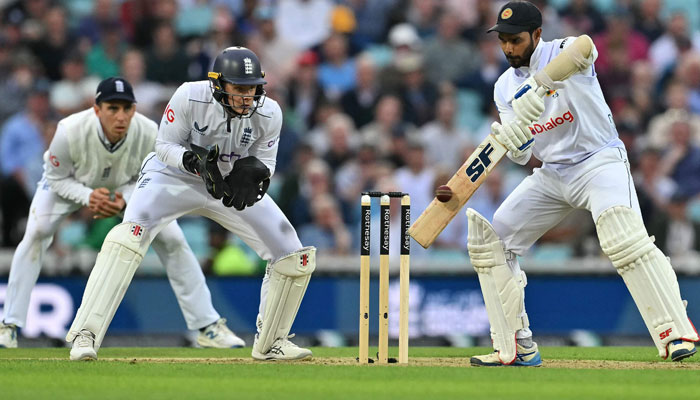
column 519, row 61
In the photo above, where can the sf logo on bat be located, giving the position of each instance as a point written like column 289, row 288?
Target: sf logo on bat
column 480, row 163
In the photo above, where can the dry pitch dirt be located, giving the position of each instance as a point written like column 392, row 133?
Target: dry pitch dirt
column 430, row 362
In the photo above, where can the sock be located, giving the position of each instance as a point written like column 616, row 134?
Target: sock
column 525, row 342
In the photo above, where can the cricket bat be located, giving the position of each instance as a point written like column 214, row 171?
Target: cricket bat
column 485, row 158
column 463, row 184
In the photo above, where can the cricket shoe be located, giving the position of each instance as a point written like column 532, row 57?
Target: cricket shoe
column 525, row 357
column 8, row 335
column 219, row 336
column 681, row 349
column 83, row 347
column 282, row 349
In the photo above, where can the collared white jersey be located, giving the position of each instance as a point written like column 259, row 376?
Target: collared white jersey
column 193, row 116
column 78, row 160
column 576, row 122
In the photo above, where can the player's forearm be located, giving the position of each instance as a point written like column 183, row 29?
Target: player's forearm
column 170, row 153
column 70, row 189
column 573, row 59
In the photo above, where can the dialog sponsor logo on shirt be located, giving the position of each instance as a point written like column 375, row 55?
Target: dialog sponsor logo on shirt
column 552, row 123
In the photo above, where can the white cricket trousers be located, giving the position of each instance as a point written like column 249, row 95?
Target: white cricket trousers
column 544, row 198
column 162, row 195
column 46, row 213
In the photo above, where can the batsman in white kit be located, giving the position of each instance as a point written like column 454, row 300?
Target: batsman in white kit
column 569, row 127
column 94, row 160
column 215, row 153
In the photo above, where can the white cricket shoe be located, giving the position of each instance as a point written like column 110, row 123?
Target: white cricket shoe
column 219, row 336
column 681, row 349
column 525, row 357
column 83, row 347
column 8, row 335
column 282, row 349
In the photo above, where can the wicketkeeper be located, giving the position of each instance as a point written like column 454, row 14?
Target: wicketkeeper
column 215, row 153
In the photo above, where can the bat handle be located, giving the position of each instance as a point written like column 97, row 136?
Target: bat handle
column 526, row 145
column 540, row 91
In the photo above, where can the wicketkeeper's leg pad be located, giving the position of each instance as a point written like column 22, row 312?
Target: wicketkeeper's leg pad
column 648, row 275
column 288, row 278
column 503, row 292
column 120, row 256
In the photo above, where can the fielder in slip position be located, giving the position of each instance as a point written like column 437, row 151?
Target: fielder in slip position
column 231, row 116
column 93, row 161
column 584, row 166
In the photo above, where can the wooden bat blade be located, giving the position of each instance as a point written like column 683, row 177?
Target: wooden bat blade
column 463, row 184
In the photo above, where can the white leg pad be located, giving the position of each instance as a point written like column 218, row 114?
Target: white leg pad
column 648, row 275
column 503, row 293
column 289, row 276
column 120, row 256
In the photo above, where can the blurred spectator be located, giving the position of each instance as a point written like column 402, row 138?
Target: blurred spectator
column 343, row 21
column 416, row 176
column 676, row 40
column 289, row 188
column 22, row 145
column 166, row 62
column 492, row 66
column 315, row 181
column 482, row 14
column 404, row 41
column 194, row 18
column 327, row 231
column 418, row 95
column 277, row 54
column 647, row 19
column 676, row 102
column 103, row 14
column 582, row 17
column 304, row 93
column 619, row 45
column 424, row 16
column 359, row 102
column 55, row 42
column 552, row 24
column 386, row 124
column 653, row 188
column 676, row 235
column 681, row 159
column 336, row 73
column 104, row 57
column 14, row 86
column 341, row 140
column 449, row 56
column 688, row 72
column 445, row 142
column 313, row 15
column 358, row 174
column 371, row 17
column 149, row 93
column 147, row 15
column 76, row 91
column 226, row 258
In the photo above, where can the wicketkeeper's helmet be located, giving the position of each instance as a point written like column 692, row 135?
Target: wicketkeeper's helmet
column 238, row 66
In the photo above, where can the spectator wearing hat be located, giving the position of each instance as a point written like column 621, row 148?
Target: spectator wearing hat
column 22, row 144
column 418, row 95
column 404, row 41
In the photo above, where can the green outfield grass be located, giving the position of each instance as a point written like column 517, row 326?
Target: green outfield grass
column 434, row 373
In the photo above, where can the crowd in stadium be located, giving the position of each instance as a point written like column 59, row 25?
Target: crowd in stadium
column 387, row 95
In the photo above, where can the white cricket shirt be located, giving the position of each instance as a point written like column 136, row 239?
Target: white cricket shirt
column 78, row 160
column 193, row 116
column 576, row 122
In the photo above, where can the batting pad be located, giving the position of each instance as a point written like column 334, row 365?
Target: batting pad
column 289, row 277
column 648, row 275
column 120, row 256
column 503, row 294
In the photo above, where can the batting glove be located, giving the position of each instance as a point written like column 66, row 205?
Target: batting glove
column 528, row 103
column 514, row 135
